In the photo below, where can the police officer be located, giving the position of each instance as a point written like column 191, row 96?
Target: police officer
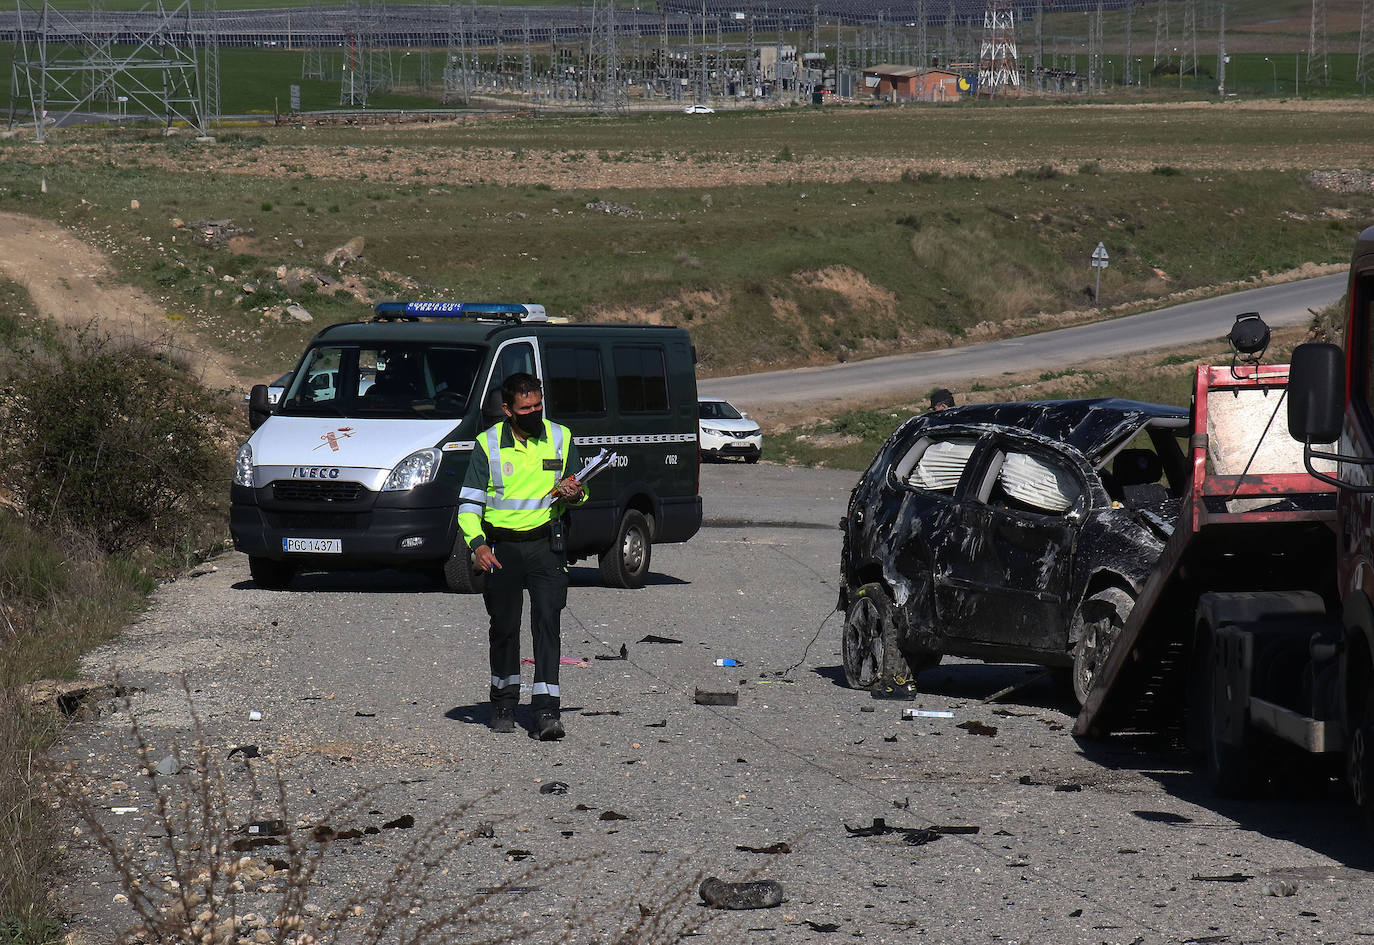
column 518, row 482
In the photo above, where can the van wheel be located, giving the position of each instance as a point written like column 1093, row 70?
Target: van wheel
column 270, row 574
column 626, row 563
column 459, row 575
column 1359, row 759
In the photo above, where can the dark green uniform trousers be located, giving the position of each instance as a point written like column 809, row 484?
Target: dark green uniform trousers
column 532, row 566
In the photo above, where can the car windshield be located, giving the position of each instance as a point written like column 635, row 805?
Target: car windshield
column 718, row 410
column 393, row 381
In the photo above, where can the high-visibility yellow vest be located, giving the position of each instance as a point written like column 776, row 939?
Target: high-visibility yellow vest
column 509, row 483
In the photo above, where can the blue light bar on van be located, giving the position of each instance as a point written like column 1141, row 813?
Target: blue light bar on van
column 496, row 311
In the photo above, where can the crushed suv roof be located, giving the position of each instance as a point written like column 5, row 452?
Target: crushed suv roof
column 1092, row 427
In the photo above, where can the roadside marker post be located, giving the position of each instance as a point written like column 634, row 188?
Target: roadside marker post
column 1099, row 262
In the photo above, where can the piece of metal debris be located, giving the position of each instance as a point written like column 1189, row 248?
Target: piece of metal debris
column 716, row 698
column 924, row 714
column 654, row 638
column 974, row 727
column 779, row 847
column 168, row 766
column 759, row 894
column 553, row 787
column 1226, row 878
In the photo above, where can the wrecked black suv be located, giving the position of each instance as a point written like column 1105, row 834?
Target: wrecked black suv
column 1007, row 532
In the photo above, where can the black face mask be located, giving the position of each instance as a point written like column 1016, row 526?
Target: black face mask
column 531, row 424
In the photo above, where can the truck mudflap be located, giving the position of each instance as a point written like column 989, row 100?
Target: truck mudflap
column 1243, row 532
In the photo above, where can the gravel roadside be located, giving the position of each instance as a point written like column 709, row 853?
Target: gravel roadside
column 371, row 694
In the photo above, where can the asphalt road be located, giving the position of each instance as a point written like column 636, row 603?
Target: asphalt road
column 368, row 680
column 912, row 375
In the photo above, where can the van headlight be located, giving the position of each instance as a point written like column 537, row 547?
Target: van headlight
column 243, row 466
column 416, row 469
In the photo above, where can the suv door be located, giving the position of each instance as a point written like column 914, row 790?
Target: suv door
column 1005, row 569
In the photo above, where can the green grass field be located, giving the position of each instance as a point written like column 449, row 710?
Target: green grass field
column 767, row 265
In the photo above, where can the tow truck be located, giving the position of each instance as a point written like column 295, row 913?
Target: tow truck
column 1252, row 637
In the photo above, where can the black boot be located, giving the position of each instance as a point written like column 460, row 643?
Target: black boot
column 502, row 718
column 547, row 727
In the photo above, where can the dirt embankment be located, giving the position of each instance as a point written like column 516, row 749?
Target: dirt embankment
column 73, row 284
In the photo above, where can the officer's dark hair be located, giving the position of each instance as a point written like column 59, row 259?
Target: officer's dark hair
column 518, row 384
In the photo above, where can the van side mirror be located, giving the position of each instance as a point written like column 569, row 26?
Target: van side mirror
column 492, row 413
column 259, row 406
column 1316, row 393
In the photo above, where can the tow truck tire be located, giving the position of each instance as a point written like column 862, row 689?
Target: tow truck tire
column 270, row 574
column 1232, row 770
column 460, row 576
column 868, row 646
column 1097, row 626
column 626, row 563
column 1359, row 760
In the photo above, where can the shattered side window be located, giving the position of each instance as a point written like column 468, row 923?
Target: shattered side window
column 935, row 465
column 1029, row 483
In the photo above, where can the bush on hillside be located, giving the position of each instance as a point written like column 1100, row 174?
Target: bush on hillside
column 111, row 440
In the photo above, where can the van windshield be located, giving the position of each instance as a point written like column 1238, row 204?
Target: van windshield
column 392, row 381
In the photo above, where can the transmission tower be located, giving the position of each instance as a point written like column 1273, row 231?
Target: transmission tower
column 1318, row 67
column 997, row 60
column 1364, row 59
column 948, row 54
column 1096, row 76
column 1130, row 11
column 313, row 59
column 210, row 64
column 1187, row 54
column 1161, row 30
column 62, row 63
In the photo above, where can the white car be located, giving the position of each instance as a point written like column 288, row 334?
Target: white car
column 725, row 431
column 698, row 110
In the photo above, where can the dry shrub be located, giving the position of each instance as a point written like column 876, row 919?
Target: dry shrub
column 201, row 885
column 112, row 440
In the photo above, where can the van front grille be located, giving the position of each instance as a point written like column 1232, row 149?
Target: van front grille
column 333, row 521
column 287, row 490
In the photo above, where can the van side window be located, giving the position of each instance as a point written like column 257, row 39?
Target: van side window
column 641, row 378
column 573, row 382
column 514, row 359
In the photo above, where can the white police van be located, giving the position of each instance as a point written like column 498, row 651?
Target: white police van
column 364, row 472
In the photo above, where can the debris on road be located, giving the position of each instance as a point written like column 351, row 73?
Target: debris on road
column 759, row 894
column 1279, row 887
column 1226, row 878
column 716, row 698
column 654, row 638
column 553, row 787
column 978, row 728
column 923, row 713
column 779, row 847
column 248, row 751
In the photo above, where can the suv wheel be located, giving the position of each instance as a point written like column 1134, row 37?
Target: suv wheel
column 869, row 645
column 270, row 574
column 1097, row 625
column 626, row 563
